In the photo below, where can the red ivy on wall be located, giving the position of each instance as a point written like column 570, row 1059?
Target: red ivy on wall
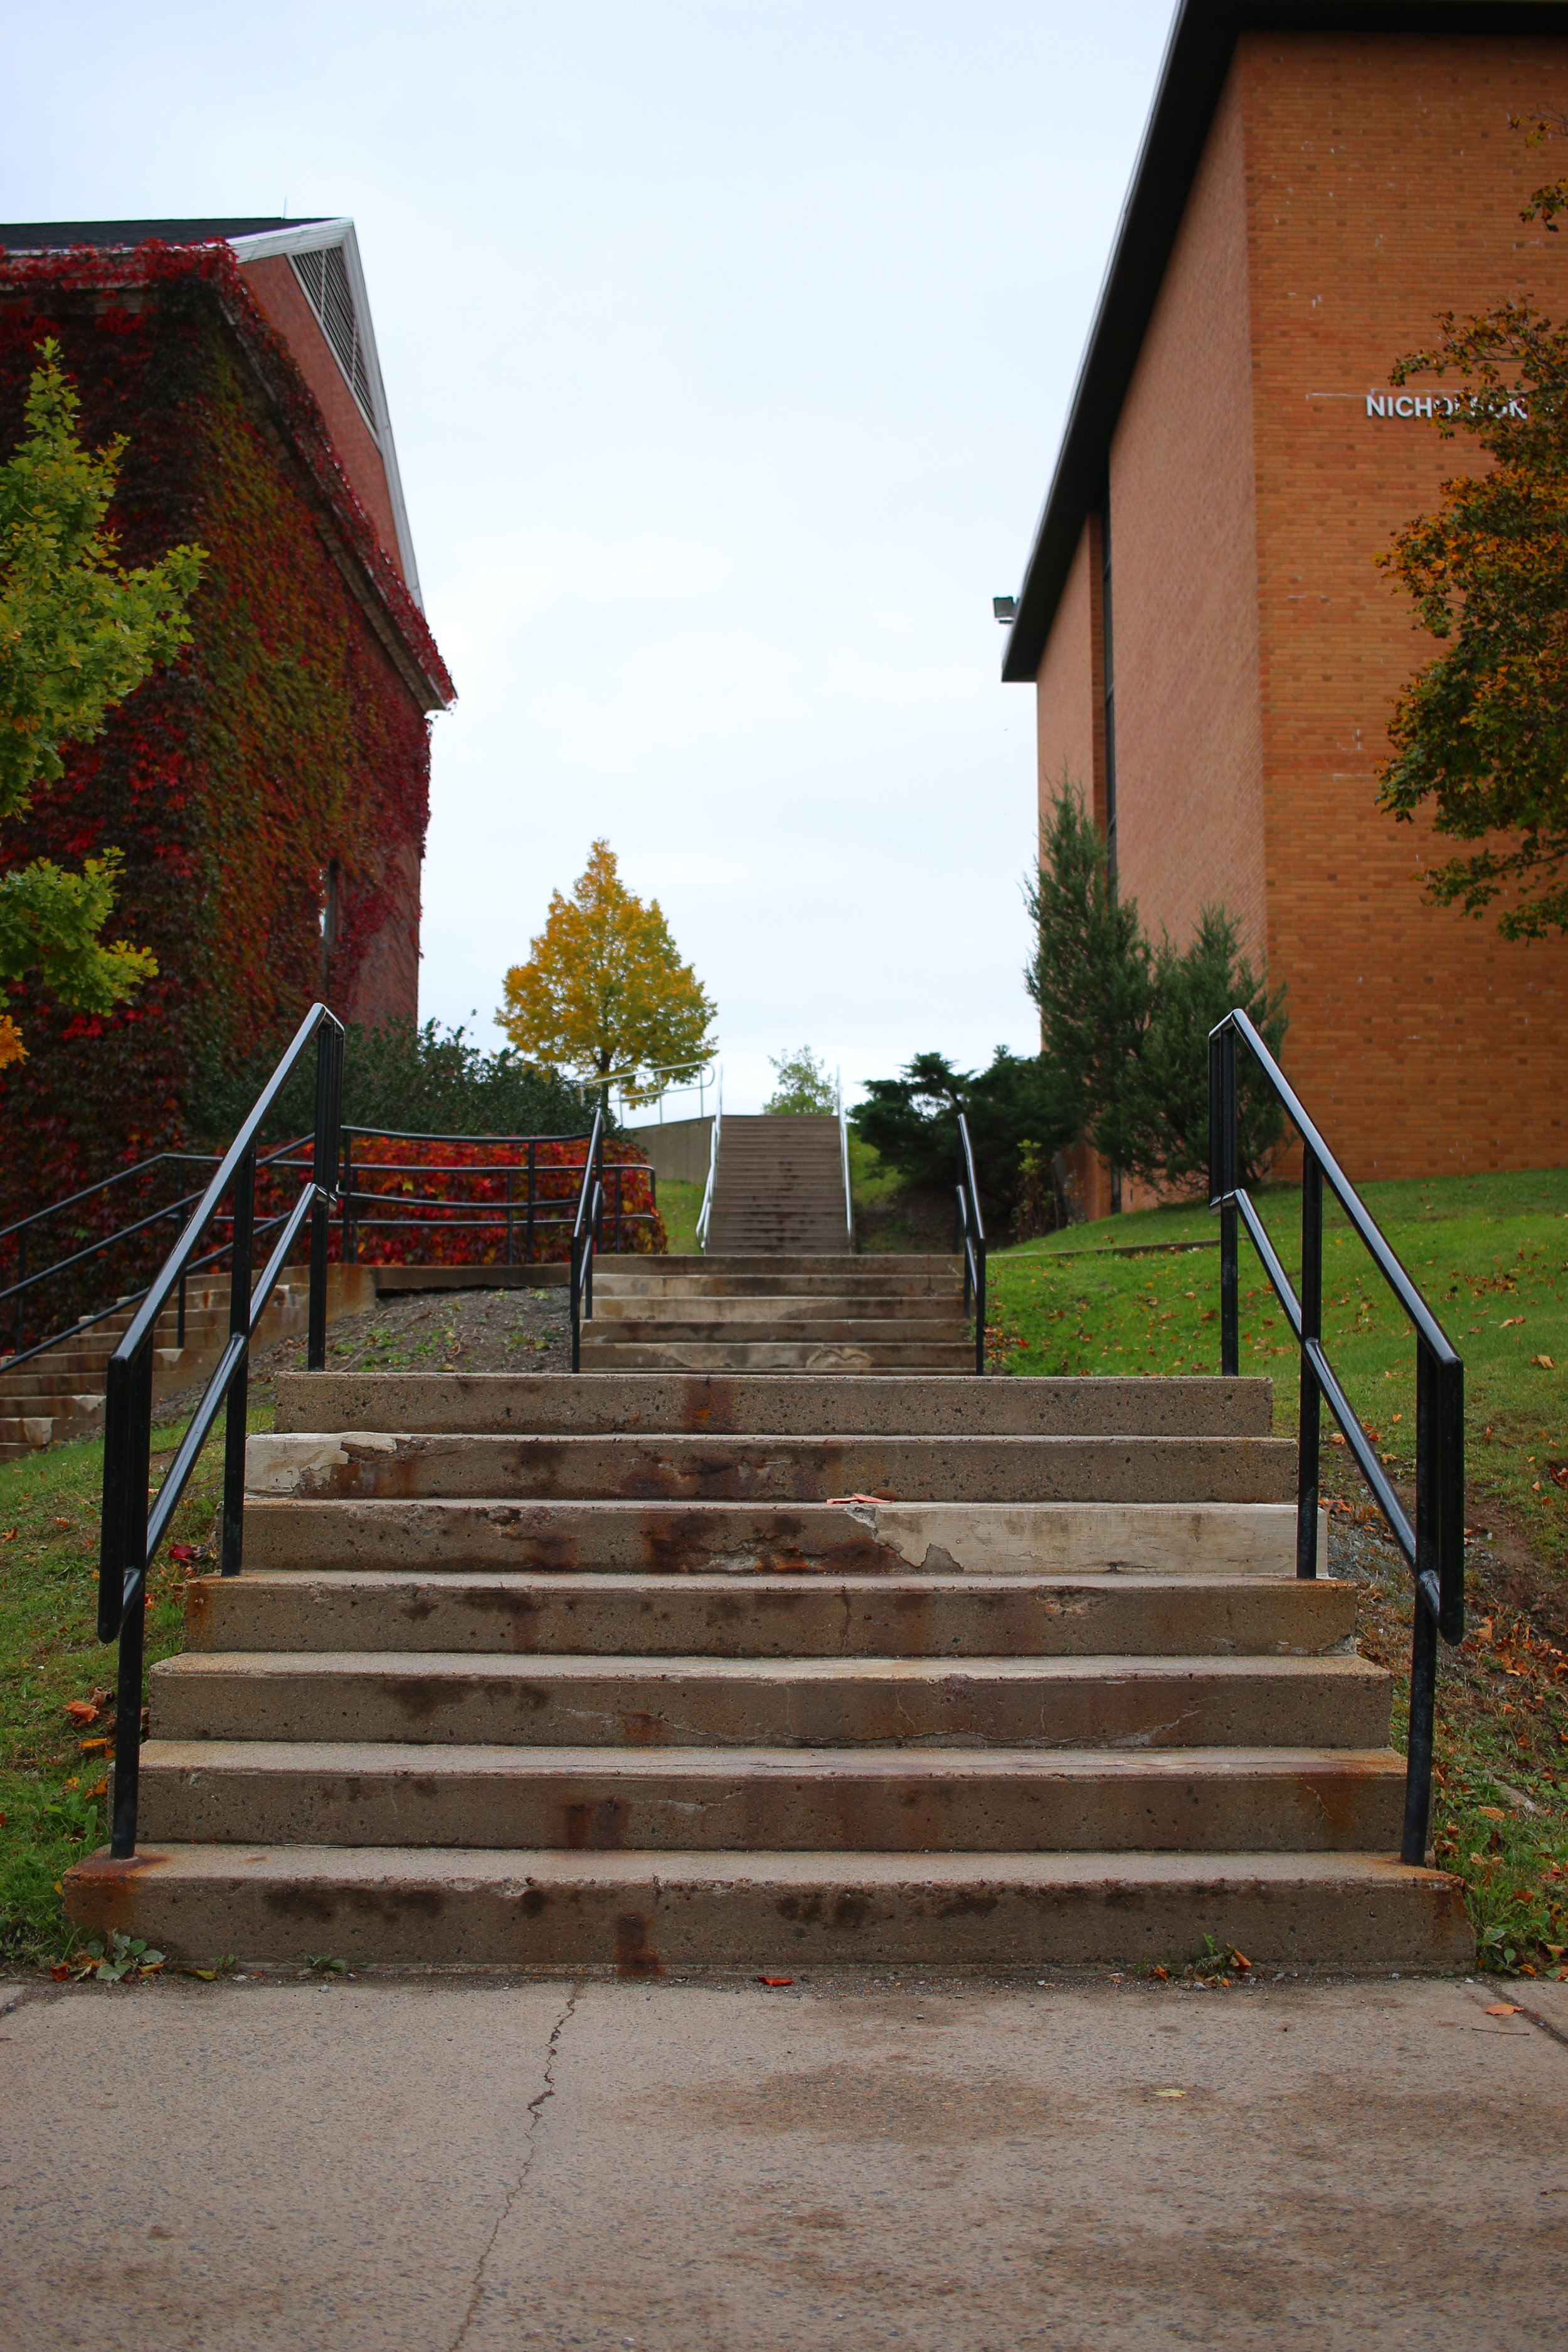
column 290, row 738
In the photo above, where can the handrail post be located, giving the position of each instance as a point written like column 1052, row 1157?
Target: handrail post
column 132, row 1613
column 238, row 1320
column 22, row 1289
column 1222, row 1067
column 351, row 1235
column 1309, row 1437
column 528, row 1230
column 510, row 1191
column 180, row 1316
column 329, row 1098
column 1423, row 1633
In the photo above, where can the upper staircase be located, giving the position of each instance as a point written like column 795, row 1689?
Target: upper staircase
column 785, row 1314
column 778, row 1189
column 643, row 1672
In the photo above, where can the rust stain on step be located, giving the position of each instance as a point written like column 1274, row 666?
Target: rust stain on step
column 635, row 1955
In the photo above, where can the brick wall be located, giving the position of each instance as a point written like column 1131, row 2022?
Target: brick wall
column 1383, row 184
column 1352, row 187
column 1189, row 723
column 1069, row 714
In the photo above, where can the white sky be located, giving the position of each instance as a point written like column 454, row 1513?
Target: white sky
column 728, row 343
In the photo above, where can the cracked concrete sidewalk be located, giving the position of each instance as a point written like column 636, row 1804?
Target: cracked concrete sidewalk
column 853, row 2162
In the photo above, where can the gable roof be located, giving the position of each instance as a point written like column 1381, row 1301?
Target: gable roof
column 1192, row 76
column 342, row 307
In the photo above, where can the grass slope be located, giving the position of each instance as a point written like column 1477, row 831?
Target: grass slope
column 52, row 1765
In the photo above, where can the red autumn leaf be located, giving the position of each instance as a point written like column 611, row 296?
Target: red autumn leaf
column 181, row 1554
column 775, row 1981
column 82, row 1710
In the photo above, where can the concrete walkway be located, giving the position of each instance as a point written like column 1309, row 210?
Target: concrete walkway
column 444, row 2166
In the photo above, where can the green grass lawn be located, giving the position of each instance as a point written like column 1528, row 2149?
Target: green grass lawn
column 53, row 1766
column 679, row 1205
column 1489, row 1253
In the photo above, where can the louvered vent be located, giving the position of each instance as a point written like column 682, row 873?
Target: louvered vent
column 325, row 279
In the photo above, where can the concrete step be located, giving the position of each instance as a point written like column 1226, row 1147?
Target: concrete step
column 617, row 1913
column 1013, row 1800
column 678, row 1468
column 892, row 1615
column 548, row 1403
column 676, row 1324
column 601, row 1701
column 22, row 1434
column 777, row 1356
column 888, row 1264
column 677, row 1539
column 779, row 1310
column 853, row 1278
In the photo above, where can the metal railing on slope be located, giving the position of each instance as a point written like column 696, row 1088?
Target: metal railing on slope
column 1433, row 1547
column 524, row 1213
column 705, row 1212
column 969, row 1235
column 843, row 1152
column 586, row 1233
column 133, row 1525
column 15, row 1295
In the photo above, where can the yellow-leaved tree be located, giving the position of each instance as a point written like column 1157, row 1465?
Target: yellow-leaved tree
column 604, row 994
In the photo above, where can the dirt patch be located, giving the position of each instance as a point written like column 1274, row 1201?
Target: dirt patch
column 425, row 1331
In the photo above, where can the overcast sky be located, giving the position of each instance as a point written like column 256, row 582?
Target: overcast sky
column 728, row 343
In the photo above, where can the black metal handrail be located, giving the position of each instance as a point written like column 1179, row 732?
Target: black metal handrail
column 586, row 1230
column 1433, row 1547
column 132, row 1529
column 969, row 1235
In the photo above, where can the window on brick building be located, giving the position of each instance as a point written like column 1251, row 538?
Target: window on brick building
column 325, row 278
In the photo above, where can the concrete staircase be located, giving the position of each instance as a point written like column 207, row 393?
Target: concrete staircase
column 778, row 1190
column 782, row 1314
column 59, row 1392
column 591, row 1673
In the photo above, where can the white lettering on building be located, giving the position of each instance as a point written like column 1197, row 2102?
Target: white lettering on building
column 1435, row 403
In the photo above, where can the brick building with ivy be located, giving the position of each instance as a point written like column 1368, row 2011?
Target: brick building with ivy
column 270, row 790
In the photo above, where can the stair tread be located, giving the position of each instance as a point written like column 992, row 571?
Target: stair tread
column 301, row 1864
column 468, row 1666
column 407, row 1758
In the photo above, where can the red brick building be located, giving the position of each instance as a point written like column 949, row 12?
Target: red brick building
column 1213, row 651
column 270, row 790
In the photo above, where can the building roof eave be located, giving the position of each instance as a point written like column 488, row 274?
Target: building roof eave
column 1192, row 76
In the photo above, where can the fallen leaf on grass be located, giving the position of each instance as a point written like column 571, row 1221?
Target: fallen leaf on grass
column 1546, row 1363
column 10, row 1535
column 1508, row 1320
column 181, row 1554
column 81, row 1710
